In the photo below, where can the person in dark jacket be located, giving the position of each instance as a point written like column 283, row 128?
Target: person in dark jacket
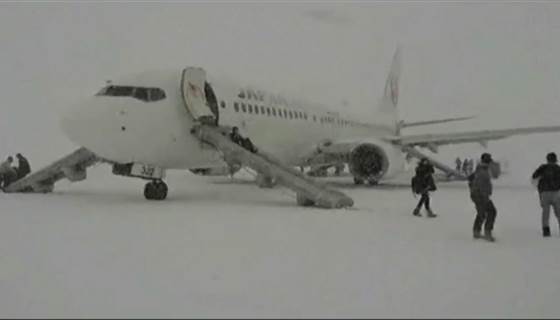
column 423, row 183
column 548, row 176
column 7, row 173
column 458, row 163
column 465, row 167
column 237, row 138
column 23, row 168
column 480, row 185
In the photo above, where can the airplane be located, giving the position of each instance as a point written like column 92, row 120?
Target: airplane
column 143, row 124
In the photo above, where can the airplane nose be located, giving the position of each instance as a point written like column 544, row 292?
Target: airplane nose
column 82, row 122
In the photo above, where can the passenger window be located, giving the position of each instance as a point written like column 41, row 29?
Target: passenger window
column 141, row 94
column 236, row 106
column 285, row 113
column 243, row 107
column 250, row 107
column 290, row 114
column 223, row 104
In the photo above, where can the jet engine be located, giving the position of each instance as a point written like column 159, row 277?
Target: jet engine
column 374, row 160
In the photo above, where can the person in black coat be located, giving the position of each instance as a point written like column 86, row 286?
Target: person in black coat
column 23, row 168
column 237, row 138
column 422, row 183
column 549, row 190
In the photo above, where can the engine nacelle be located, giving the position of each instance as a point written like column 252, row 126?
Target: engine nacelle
column 373, row 160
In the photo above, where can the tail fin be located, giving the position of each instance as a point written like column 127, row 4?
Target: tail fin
column 389, row 101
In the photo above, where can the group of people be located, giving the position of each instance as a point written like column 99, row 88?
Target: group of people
column 546, row 177
column 237, row 138
column 10, row 173
column 465, row 166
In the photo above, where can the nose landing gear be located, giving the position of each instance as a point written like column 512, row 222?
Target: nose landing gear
column 155, row 190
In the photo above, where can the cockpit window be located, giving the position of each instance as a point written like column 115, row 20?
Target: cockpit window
column 156, row 94
column 119, row 91
column 140, row 93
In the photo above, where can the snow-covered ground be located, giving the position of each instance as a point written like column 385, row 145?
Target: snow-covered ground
column 220, row 248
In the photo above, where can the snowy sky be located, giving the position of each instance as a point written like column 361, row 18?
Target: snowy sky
column 496, row 60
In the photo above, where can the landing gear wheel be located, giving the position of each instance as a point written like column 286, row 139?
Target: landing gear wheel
column 265, row 182
column 155, row 190
column 358, row 181
column 304, row 201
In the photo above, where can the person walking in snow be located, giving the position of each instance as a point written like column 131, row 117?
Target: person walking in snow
column 548, row 176
column 480, row 185
column 458, row 163
column 423, row 183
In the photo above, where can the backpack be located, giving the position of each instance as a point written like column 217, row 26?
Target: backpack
column 416, row 184
column 471, row 179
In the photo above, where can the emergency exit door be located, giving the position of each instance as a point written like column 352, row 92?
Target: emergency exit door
column 192, row 88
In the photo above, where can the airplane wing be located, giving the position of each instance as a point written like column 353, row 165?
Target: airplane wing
column 336, row 152
column 405, row 124
column 432, row 141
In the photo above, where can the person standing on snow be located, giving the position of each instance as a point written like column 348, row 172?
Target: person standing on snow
column 480, row 185
column 548, row 176
column 423, row 183
column 458, row 163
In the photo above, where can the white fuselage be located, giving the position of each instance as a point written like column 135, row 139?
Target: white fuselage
column 125, row 129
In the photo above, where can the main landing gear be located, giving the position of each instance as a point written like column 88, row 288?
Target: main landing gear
column 370, row 181
column 155, row 190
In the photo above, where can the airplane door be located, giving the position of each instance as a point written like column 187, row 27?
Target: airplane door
column 192, row 89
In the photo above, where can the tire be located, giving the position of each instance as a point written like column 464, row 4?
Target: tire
column 150, row 191
column 155, row 190
column 358, row 181
column 303, row 201
column 265, row 182
column 161, row 190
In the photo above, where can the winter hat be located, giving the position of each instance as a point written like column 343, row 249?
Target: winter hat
column 551, row 157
